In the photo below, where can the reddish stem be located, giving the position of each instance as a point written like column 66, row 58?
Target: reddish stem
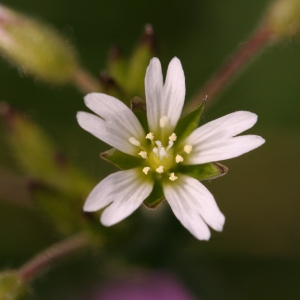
column 56, row 253
column 232, row 67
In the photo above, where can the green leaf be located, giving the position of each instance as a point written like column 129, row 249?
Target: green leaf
column 138, row 106
column 155, row 198
column 188, row 123
column 205, row 171
column 121, row 160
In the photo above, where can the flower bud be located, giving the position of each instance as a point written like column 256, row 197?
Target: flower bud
column 39, row 157
column 35, row 48
column 12, row 287
column 56, row 185
column 283, row 18
column 139, row 61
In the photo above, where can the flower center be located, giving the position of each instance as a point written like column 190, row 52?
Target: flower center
column 160, row 159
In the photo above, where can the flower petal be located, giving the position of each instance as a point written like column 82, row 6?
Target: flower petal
column 223, row 149
column 153, row 90
column 164, row 100
column 116, row 125
column 125, row 189
column 215, row 140
column 98, row 127
column 193, row 204
column 173, row 93
column 222, row 128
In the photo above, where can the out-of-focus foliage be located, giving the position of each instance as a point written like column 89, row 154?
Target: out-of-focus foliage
column 257, row 255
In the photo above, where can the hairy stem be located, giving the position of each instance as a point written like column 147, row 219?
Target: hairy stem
column 225, row 75
column 53, row 255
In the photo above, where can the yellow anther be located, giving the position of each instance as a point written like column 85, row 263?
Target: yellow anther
column 179, row 158
column 143, row 154
column 188, row 149
column 160, row 169
column 150, row 136
column 173, row 137
column 134, row 141
column 146, row 170
column 163, row 121
column 173, row 177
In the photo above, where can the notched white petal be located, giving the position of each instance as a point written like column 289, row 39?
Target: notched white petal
column 124, row 205
column 222, row 128
column 118, row 119
column 125, row 189
column 153, row 90
column 164, row 101
column 224, row 149
column 100, row 129
column 173, row 93
column 194, row 206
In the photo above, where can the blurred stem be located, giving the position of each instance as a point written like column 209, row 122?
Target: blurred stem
column 53, row 255
column 85, row 82
column 225, row 75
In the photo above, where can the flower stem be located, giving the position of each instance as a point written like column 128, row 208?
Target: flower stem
column 85, row 82
column 225, row 75
column 49, row 257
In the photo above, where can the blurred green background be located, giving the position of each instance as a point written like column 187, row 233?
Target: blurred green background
column 258, row 254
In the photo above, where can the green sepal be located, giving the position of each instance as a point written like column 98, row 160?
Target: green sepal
column 205, row 171
column 121, row 160
column 138, row 106
column 155, row 198
column 189, row 122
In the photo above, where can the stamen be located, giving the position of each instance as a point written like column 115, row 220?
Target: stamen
column 178, row 158
column 188, row 149
column 150, row 136
column 143, row 154
column 163, row 121
column 160, row 169
column 146, row 170
column 134, row 141
column 173, row 137
column 173, row 177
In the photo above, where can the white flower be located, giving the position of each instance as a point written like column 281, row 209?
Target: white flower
column 161, row 152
